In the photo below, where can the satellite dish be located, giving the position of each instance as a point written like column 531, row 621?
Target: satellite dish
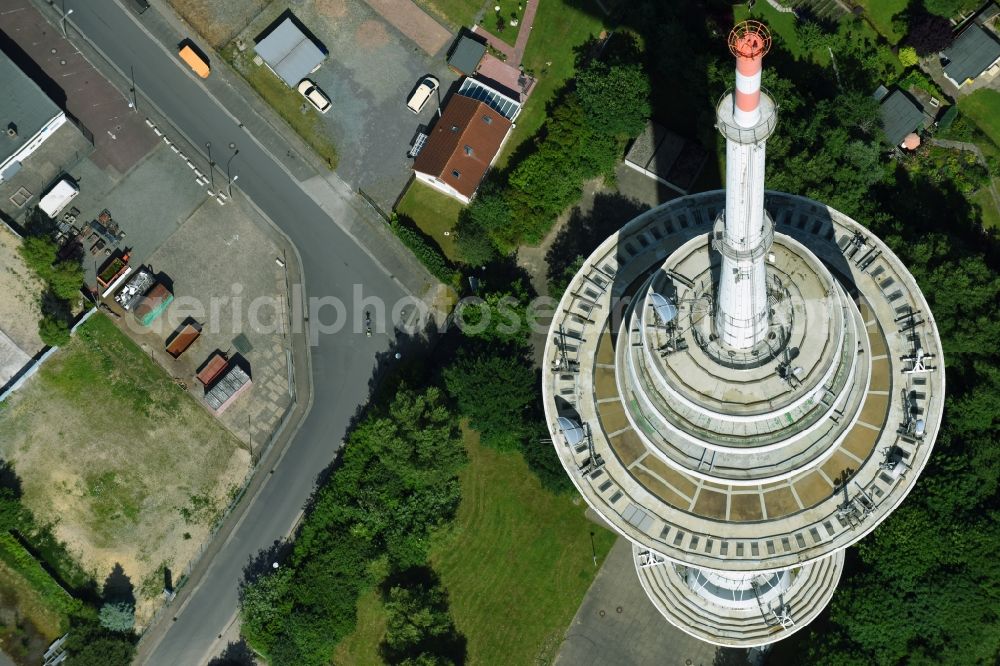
column 664, row 307
column 571, row 430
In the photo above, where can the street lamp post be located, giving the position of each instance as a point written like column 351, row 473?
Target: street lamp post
column 64, row 15
column 236, row 151
column 134, row 104
column 211, row 165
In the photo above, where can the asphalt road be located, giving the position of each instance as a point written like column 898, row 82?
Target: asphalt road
column 332, row 262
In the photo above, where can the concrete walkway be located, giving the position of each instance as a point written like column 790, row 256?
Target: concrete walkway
column 617, row 624
column 514, row 53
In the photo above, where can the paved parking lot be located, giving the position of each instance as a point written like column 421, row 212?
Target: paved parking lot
column 149, row 203
column 371, row 70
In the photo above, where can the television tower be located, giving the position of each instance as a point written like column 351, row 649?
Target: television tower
column 746, row 117
column 742, row 384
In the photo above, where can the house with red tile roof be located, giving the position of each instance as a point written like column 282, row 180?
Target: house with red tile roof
column 466, row 140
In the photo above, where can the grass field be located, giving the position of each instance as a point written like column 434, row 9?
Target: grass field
column 434, row 213
column 361, row 647
column 453, row 13
column 124, row 463
column 516, row 562
column 289, row 104
column 880, row 13
column 559, row 27
column 983, row 107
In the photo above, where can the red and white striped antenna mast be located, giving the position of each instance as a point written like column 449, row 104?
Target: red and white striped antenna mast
column 743, row 232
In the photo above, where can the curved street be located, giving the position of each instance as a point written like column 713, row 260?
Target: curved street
column 342, row 365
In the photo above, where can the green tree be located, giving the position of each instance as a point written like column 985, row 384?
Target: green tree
column 501, row 317
column 65, row 279
column 39, row 253
column 474, row 243
column 419, row 628
column 615, row 97
column 89, row 644
column 908, row 56
column 117, row 616
column 495, row 389
column 53, row 330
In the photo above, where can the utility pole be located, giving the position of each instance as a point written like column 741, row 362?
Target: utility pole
column 64, row 15
column 211, row 166
column 236, row 151
column 134, row 104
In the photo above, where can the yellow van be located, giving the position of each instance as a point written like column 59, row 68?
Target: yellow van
column 195, row 61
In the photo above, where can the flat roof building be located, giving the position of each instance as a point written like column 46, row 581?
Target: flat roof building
column 27, row 117
column 465, row 57
column 290, row 53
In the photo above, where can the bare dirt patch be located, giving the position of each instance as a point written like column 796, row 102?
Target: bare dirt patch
column 372, row 35
column 125, row 464
column 332, row 8
column 19, row 294
column 219, row 21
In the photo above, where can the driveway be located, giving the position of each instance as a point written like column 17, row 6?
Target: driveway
column 371, row 71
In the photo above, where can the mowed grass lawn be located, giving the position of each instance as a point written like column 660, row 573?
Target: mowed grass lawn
column 434, row 213
column 983, row 107
column 517, row 562
column 559, row 27
column 880, row 13
column 122, row 461
column 289, row 104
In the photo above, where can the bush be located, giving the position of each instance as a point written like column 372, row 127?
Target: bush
column 117, row 616
column 53, row 330
column 908, row 56
column 473, row 242
column 426, row 251
column 89, row 644
column 20, row 560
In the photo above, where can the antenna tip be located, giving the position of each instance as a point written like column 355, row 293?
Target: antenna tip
column 749, row 39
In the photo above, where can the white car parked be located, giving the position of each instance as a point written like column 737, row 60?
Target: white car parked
column 423, row 93
column 315, row 96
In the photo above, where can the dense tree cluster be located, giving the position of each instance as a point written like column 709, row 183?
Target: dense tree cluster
column 395, row 481
column 63, row 280
column 419, row 629
column 583, row 137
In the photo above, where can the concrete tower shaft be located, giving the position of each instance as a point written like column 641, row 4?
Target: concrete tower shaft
column 743, row 232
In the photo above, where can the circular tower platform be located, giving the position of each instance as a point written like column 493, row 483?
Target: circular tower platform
column 741, row 475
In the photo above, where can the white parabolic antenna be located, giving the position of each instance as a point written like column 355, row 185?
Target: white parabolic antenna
column 664, row 307
column 570, row 429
